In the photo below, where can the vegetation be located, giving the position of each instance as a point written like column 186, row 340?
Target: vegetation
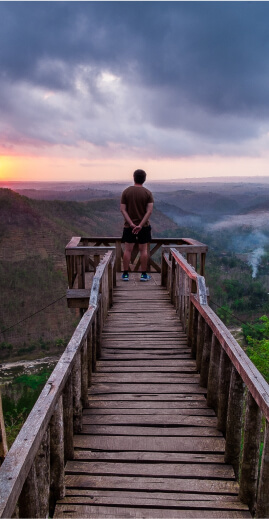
column 18, row 399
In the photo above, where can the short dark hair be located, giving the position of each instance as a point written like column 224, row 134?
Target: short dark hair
column 139, row 176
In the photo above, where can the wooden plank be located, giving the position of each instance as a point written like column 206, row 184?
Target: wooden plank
column 141, row 397
column 136, row 456
column 172, row 430
column 163, row 470
column 159, row 499
column 147, row 388
column 149, row 378
column 161, row 420
column 146, row 406
column 140, row 412
column 147, row 363
column 151, row 444
column 153, row 484
column 147, row 369
column 97, row 512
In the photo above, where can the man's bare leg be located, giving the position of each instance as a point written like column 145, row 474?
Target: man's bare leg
column 127, row 255
column 143, row 249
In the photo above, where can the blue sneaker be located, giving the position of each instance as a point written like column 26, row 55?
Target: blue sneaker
column 145, row 277
column 125, row 277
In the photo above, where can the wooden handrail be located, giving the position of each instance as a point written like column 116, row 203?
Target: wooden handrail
column 59, row 409
column 236, row 390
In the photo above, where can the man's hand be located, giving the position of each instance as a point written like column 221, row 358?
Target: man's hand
column 136, row 229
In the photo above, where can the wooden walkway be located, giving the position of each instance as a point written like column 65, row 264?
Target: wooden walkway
column 149, row 445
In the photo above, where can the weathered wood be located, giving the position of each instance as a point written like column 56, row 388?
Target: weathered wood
column 248, row 372
column 21, row 456
column 200, row 342
column 223, row 390
column 250, row 459
column 68, row 419
column 94, row 342
column 213, row 374
column 151, row 444
column 205, row 359
column 89, row 356
column 193, row 470
column 57, row 486
column 234, row 421
column 163, row 500
column 154, row 484
column 84, row 374
column 77, row 404
column 154, row 420
column 42, row 464
column 29, row 497
column 127, row 512
column 263, row 494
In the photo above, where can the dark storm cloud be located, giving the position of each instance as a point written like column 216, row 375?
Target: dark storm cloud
column 198, row 67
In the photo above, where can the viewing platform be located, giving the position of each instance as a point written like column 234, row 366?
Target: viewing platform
column 153, row 411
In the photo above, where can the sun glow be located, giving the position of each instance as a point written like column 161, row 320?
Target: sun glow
column 5, row 167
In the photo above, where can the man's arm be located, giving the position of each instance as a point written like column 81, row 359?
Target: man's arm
column 126, row 216
column 138, row 228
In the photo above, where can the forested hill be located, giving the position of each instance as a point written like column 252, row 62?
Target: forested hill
column 33, row 235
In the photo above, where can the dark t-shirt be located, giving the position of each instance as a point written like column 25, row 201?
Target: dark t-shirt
column 136, row 199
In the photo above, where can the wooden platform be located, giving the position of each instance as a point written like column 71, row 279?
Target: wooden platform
column 149, row 446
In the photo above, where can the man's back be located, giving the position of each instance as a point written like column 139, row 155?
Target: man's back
column 136, row 199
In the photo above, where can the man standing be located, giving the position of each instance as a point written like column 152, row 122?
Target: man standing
column 136, row 207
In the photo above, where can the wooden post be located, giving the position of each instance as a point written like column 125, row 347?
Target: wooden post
column 118, row 255
column 192, row 260
column 94, row 340
column 251, row 448
column 148, row 251
column 81, row 271
column 110, row 285
column 191, row 326
column 205, row 356
column 57, row 486
column 172, row 280
column 42, row 464
column 84, row 374
column 29, row 498
column 77, row 406
column 213, row 374
column 164, row 271
column 234, row 421
column 99, row 325
column 68, row 420
column 200, row 342
column 96, row 260
column 3, row 437
column 89, row 347
column 223, row 393
column 202, row 264
column 263, row 493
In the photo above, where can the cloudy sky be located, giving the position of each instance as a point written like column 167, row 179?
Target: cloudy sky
column 93, row 90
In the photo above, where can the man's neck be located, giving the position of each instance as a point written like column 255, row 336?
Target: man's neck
column 138, row 185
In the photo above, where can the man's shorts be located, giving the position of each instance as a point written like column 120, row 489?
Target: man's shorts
column 144, row 236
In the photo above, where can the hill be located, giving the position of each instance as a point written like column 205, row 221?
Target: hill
column 33, row 235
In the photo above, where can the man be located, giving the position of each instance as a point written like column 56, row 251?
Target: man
column 136, row 207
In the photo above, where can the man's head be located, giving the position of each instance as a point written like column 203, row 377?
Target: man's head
column 139, row 176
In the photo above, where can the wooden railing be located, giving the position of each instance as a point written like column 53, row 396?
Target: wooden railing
column 81, row 257
column 32, row 475
column 235, row 388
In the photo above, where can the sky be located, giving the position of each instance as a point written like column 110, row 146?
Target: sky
column 93, row 90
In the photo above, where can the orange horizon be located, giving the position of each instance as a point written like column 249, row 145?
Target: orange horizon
column 74, row 169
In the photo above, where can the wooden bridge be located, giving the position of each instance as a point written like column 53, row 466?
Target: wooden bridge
column 153, row 410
